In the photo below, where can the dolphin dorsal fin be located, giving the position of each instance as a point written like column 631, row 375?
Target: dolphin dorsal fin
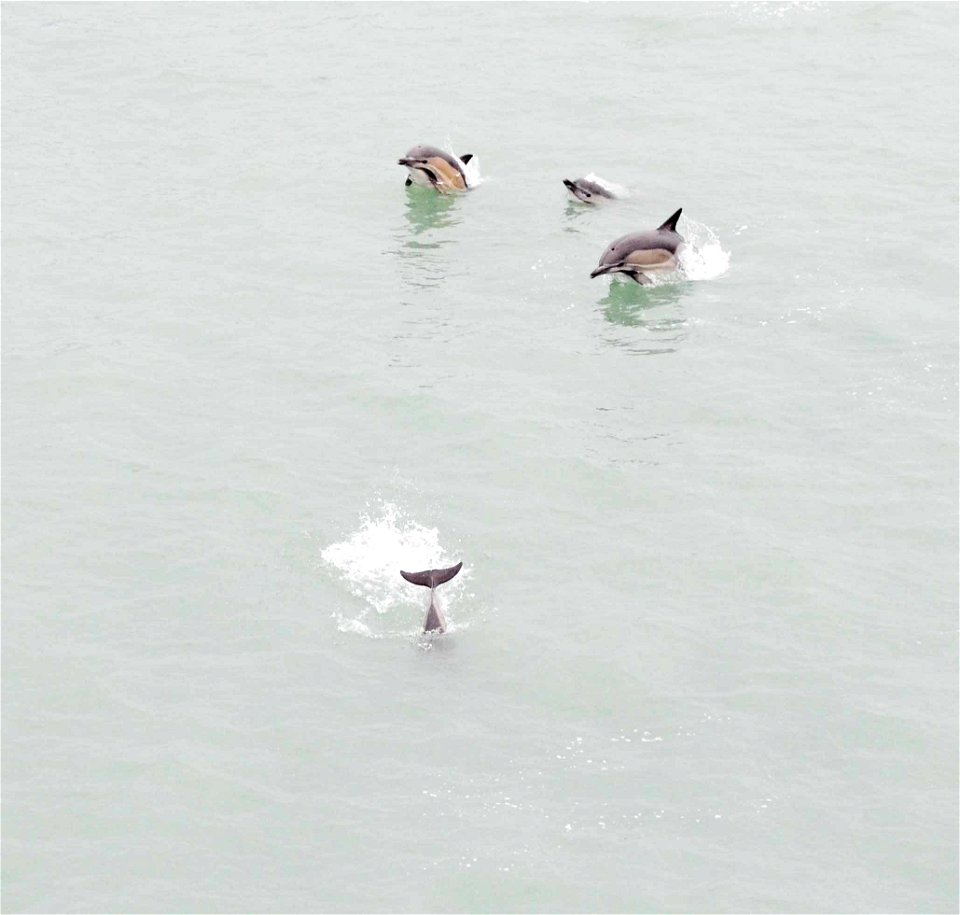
column 430, row 578
column 465, row 159
column 671, row 223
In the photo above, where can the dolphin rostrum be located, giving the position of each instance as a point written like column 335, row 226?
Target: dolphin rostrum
column 435, row 621
column 432, row 167
column 641, row 253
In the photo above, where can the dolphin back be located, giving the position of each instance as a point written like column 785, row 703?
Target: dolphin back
column 430, row 578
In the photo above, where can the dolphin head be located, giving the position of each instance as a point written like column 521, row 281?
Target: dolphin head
column 579, row 192
column 417, row 160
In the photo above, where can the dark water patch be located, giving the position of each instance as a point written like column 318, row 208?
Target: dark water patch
column 572, row 213
column 630, row 306
column 426, row 210
column 419, row 246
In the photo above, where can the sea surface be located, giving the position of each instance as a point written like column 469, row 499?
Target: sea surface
column 703, row 651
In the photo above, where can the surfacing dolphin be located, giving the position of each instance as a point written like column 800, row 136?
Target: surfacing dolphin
column 642, row 253
column 431, row 578
column 587, row 191
column 432, row 167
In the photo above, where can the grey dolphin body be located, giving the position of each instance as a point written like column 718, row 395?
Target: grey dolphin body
column 432, row 167
column 587, row 191
column 431, row 578
column 642, row 253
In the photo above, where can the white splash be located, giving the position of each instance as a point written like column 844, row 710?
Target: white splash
column 702, row 257
column 369, row 561
column 471, row 169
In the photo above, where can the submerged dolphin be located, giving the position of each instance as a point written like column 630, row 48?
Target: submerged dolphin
column 432, row 167
column 435, row 621
column 587, row 191
column 641, row 253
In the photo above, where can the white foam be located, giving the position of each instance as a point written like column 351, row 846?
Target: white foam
column 369, row 561
column 702, row 257
column 471, row 169
column 349, row 624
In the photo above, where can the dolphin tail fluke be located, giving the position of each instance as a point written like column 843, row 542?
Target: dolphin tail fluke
column 466, row 158
column 671, row 223
column 430, row 578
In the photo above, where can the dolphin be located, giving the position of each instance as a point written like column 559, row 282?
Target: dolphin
column 432, row 167
column 587, row 191
column 641, row 253
column 435, row 621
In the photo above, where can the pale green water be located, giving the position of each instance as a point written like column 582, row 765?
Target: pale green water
column 704, row 650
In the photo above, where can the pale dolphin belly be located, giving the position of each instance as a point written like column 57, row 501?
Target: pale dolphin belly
column 419, row 177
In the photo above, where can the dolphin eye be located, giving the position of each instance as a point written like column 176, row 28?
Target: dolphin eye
column 587, row 194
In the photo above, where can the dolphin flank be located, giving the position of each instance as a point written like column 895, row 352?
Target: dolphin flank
column 431, row 578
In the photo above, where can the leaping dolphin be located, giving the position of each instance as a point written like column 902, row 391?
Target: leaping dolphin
column 435, row 621
column 641, row 253
column 432, row 167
